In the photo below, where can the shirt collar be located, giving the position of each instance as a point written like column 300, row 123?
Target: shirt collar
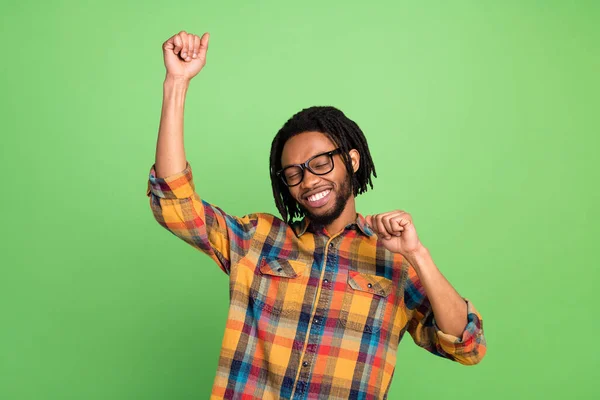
column 300, row 227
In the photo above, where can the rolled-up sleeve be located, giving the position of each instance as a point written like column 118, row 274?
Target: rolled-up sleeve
column 176, row 186
column 468, row 349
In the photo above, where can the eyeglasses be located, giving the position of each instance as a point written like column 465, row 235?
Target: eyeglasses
column 320, row 164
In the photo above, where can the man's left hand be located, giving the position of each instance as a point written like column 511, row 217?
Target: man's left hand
column 396, row 231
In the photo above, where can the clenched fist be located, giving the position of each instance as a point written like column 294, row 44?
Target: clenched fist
column 185, row 54
column 396, row 231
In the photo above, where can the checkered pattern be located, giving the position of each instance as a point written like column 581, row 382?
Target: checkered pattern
column 310, row 316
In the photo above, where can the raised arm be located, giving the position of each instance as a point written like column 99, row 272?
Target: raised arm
column 184, row 56
column 174, row 201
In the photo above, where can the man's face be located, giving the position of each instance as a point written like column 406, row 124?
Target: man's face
column 322, row 197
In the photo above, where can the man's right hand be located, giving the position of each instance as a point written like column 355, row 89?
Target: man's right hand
column 185, row 54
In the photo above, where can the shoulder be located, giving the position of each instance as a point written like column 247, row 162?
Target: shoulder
column 268, row 222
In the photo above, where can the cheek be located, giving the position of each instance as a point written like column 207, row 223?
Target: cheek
column 294, row 192
column 339, row 177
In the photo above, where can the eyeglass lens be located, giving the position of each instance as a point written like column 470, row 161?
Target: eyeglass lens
column 320, row 165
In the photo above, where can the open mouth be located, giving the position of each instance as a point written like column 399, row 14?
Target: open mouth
column 319, row 199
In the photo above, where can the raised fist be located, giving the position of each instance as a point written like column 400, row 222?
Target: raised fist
column 185, row 54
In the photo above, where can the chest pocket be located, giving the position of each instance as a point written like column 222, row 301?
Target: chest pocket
column 281, row 267
column 365, row 301
column 279, row 287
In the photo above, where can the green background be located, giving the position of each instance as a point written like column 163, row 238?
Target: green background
column 482, row 119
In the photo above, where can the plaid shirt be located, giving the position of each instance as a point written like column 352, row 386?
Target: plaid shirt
column 310, row 315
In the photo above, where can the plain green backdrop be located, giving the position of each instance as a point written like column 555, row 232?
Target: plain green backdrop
column 482, row 119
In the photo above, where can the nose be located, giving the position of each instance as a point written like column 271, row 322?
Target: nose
column 309, row 180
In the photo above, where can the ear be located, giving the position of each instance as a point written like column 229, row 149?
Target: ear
column 355, row 158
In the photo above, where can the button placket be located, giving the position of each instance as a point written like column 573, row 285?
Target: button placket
column 318, row 321
column 330, row 260
column 301, row 387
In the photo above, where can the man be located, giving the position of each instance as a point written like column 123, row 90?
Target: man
column 320, row 299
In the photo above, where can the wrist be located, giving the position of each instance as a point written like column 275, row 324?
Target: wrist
column 171, row 79
column 416, row 257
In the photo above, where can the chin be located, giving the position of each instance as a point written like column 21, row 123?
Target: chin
column 332, row 210
column 323, row 211
column 326, row 216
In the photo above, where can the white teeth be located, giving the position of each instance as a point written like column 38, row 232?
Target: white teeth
column 319, row 196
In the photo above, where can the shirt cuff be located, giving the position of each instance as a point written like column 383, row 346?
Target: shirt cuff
column 176, row 186
column 471, row 335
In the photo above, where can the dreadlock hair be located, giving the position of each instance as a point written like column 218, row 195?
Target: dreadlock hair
column 346, row 135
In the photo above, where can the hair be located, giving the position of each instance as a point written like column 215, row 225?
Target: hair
column 344, row 132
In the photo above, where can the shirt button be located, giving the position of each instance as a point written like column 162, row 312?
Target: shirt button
column 305, row 364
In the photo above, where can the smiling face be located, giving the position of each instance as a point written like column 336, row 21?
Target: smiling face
column 324, row 198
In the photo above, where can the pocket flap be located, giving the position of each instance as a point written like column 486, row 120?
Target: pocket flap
column 281, row 267
column 375, row 284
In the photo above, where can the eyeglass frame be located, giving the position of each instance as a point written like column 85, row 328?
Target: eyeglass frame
column 304, row 166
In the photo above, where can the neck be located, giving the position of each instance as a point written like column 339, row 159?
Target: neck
column 348, row 216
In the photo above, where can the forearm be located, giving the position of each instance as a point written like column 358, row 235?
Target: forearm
column 449, row 308
column 170, row 151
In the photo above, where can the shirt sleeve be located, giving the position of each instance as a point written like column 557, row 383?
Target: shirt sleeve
column 468, row 349
column 178, row 208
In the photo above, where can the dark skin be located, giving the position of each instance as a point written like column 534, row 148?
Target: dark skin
column 395, row 229
column 300, row 148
